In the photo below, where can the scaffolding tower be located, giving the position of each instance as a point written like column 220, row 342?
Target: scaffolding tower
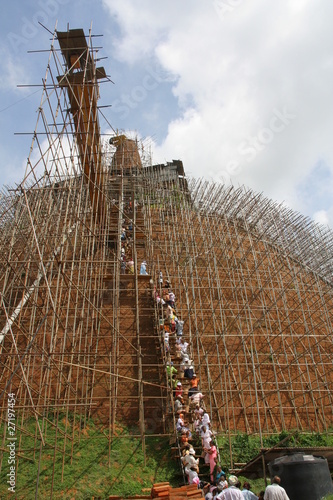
column 79, row 338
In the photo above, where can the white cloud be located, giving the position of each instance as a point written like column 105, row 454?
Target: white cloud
column 230, row 66
column 321, row 217
column 234, row 70
column 143, row 25
column 12, row 71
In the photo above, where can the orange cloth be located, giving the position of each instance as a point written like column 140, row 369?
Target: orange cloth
column 194, row 382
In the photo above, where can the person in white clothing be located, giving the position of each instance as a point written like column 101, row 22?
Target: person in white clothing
column 274, row 491
column 185, row 357
column 184, row 365
column 192, row 475
column 197, row 424
column 180, row 423
column 211, row 494
column 184, row 348
column 196, row 398
column 223, row 483
column 205, row 420
column 206, row 436
column 179, row 402
column 231, row 493
column 143, row 268
column 198, row 412
column 179, row 328
column 189, row 459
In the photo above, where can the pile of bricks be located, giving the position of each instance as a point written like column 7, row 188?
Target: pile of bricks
column 164, row 490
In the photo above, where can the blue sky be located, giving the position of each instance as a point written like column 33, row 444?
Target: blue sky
column 240, row 91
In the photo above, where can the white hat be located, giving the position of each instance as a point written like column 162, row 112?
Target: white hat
column 233, row 480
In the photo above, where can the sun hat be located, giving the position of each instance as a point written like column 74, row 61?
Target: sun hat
column 233, row 480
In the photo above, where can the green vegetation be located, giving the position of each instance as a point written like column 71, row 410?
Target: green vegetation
column 245, row 447
column 87, row 472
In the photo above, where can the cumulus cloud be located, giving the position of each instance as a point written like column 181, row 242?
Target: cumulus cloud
column 12, row 71
column 253, row 84
column 321, row 217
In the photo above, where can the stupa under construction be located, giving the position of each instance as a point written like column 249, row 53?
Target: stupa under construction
column 79, row 330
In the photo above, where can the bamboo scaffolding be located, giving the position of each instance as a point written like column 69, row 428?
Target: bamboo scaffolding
column 81, row 341
column 258, row 304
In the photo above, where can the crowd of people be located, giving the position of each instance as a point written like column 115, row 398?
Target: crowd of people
column 127, row 262
column 126, row 238
column 196, row 439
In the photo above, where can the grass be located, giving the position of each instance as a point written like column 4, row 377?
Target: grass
column 245, row 447
column 88, row 473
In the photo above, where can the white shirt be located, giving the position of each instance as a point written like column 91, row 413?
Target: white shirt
column 183, row 365
column 196, row 398
column 184, row 347
column 191, row 475
column 190, row 461
column 178, row 405
column 275, row 492
column 249, row 495
column 231, row 493
column 206, row 436
column 180, row 326
column 180, row 424
column 205, row 419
